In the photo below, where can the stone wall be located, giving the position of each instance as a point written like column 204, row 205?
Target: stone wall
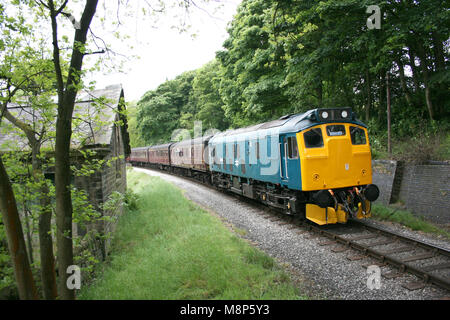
column 114, row 179
column 383, row 173
column 423, row 189
column 100, row 187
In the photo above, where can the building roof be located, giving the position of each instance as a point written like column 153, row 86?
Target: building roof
column 94, row 116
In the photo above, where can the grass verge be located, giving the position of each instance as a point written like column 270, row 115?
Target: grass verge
column 169, row 248
column 407, row 219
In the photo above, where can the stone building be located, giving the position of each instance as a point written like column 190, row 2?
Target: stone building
column 99, row 127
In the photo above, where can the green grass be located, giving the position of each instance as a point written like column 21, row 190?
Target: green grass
column 407, row 219
column 169, row 248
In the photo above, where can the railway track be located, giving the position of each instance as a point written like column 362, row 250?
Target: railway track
column 428, row 262
column 431, row 264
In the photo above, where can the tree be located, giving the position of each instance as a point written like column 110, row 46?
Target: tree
column 8, row 206
column 205, row 96
column 67, row 90
column 161, row 111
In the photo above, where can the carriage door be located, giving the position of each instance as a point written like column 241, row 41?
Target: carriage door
column 283, row 159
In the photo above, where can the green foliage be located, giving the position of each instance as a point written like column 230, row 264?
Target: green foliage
column 136, row 139
column 286, row 57
column 6, row 270
column 407, row 219
column 159, row 111
column 177, row 104
column 131, row 200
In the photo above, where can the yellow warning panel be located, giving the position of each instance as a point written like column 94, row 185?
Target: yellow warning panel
column 323, row 216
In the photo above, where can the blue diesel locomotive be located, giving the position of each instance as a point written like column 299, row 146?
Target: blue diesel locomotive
column 316, row 164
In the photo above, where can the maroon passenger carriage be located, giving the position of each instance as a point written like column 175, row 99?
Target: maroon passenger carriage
column 190, row 158
column 139, row 156
column 159, row 156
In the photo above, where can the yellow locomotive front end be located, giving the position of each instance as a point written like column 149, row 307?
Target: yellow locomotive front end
column 336, row 168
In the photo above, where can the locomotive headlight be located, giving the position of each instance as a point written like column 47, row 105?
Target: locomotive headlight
column 344, row 114
column 324, row 115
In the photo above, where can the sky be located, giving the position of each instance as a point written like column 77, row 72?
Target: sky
column 165, row 52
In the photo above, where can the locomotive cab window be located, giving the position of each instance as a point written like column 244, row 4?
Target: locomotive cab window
column 292, row 148
column 336, row 130
column 313, row 138
column 358, row 135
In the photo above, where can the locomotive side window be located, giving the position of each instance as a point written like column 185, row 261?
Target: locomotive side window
column 313, row 138
column 336, row 130
column 213, row 155
column 292, row 148
column 257, row 150
column 358, row 135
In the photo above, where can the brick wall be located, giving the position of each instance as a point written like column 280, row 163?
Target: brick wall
column 423, row 189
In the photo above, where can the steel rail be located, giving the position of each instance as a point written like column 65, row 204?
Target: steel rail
column 428, row 277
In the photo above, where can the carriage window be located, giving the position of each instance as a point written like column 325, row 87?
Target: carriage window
column 313, row 138
column 236, row 151
column 292, row 148
column 358, row 135
column 336, row 130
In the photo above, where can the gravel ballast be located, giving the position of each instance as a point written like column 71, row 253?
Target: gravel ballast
column 319, row 272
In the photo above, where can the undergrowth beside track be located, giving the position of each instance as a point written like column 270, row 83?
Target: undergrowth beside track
column 169, row 248
column 407, row 219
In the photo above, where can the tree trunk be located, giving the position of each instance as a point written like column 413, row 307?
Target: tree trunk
column 369, row 96
column 382, row 94
column 388, row 103
column 66, row 102
column 401, row 71
column 440, row 68
column 319, row 92
column 16, row 242
column 48, row 273
column 424, row 66
column 415, row 71
column 26, row 213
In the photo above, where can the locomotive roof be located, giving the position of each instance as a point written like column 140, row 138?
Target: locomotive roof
column 294, row 123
